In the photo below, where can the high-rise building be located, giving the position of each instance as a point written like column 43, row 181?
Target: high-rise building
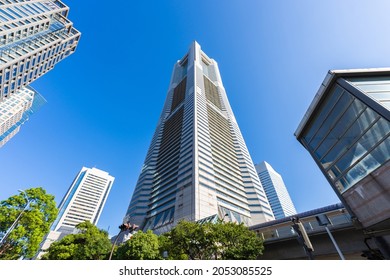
column 16, row 110
column 347, row 132
column 198, row 165
column 84, row 201
column 276, row 191
column 34, row 36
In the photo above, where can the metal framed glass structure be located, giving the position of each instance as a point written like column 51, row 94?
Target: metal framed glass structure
column 347, row 132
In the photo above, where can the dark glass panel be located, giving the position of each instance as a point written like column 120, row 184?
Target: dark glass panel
column 322, row 112
column 179, row 94
column 331, row 119
column 340, row 128
column 351, row 135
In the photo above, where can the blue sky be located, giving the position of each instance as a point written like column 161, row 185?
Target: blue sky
column 104, row 101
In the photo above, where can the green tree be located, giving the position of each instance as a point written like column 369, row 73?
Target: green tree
column 141, row 246
column 90, row 243
column 33, row 225
column 236, row 242
column 226, row 241
column 189, row 240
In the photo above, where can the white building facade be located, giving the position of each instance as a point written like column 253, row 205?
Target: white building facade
column 84, row 201
column 34, row 36
column 198, row 165
column 277, row 193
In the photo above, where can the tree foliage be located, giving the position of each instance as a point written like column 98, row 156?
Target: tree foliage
column 225, row 241
column 237, row 242
column 188, row 240
column 141, row 246
column 90, row 243
column 33, row 225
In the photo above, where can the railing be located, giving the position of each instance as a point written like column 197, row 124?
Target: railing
column 281, row 229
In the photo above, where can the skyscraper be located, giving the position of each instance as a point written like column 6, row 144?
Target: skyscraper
column 34, row 36
column 198, row 165
column 276, row 191
column 84, row 201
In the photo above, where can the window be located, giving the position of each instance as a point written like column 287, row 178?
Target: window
column 366, row 165
column 378, row 88
column 319, row 117
column 347, row 138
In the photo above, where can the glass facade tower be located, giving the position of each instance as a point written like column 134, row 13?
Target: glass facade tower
column 34, row 36
column 276, row 191
column 198, row 165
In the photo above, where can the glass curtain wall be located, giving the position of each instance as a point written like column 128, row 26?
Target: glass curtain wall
column 348, row 139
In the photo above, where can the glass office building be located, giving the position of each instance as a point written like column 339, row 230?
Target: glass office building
column 34, row 37
column 347, row 131
column 276, row 191
column 198, row 166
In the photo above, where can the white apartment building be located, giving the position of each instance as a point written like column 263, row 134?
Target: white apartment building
column 84, row 201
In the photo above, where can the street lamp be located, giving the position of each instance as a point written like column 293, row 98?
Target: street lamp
column 323, row 220
column 18, row 218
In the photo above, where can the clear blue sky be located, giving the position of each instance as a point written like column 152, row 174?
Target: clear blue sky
column 105, row 100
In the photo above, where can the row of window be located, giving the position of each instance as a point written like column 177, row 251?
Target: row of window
column 243, row 210
column 95, row 179
column 24, row 31
column 232, row 199
column 36, row 45
column 232, row 188
column 27, row 78
column 27, row 70
column 26, row 10
column 89, row 193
